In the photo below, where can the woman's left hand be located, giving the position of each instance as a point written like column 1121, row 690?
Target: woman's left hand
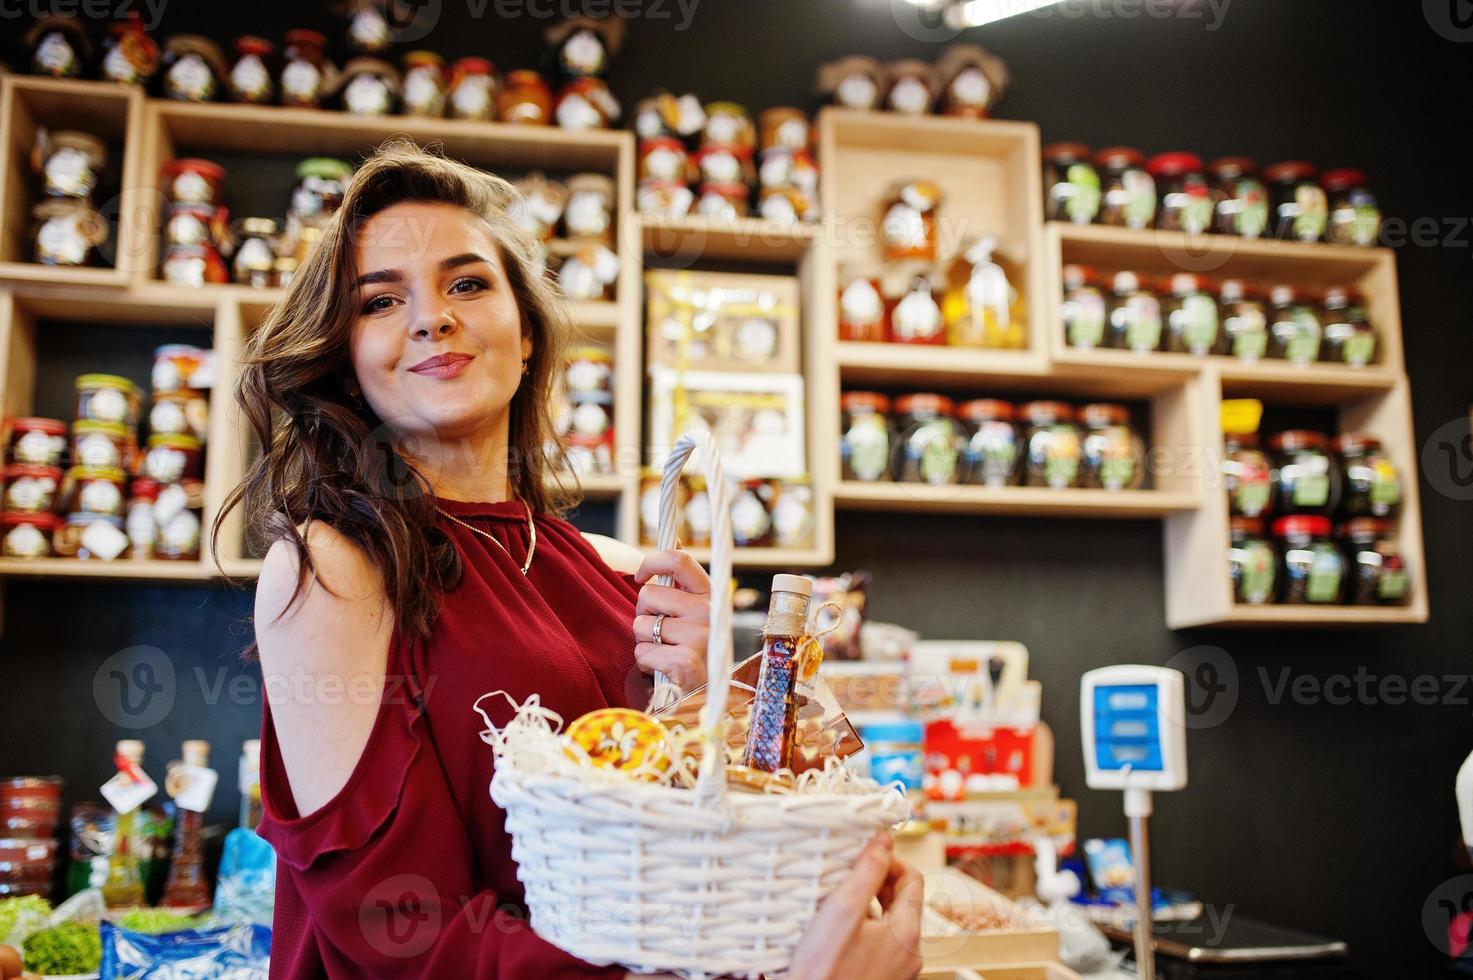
column 687, row 609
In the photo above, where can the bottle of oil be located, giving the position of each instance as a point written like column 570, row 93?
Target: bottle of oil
column 124, row 885
column 774, row 709
column 186, row 889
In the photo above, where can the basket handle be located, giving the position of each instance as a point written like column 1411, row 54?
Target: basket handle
column 711, row 782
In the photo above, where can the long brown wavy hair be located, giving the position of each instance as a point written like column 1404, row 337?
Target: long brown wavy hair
column 326, row 456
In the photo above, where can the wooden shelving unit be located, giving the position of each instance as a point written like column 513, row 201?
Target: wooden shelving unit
column 1018, row 501
column 742, row 239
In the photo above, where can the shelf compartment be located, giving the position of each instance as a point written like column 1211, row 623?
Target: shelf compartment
column 696, row 237
column 1314, row 616
column 768, row 558
column 905, row 364
column 121, row 570
column 1017, row 501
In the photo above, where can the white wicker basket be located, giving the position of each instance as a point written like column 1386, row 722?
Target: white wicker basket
column 696, row 882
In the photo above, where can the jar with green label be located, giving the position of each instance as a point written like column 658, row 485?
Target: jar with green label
column 1247, row 475
column 1294, row 329
column 928, row 447
column 1253, row 562
column 1311, row 568
column 990, row 451
column 1372, row 483
column 1071, row 184
column 1244, row 319
column 1298, row 207
column 1114, row 456
column 1355, row 217
column 864, row 448
column 1190, row 315
column 1128, row 197
column 1052, row 448
column 1185, row 200
column 1306, row 480
column 1083, row 308
column 1377, row 570
column 1134, row 316
column 1240, row 201
column 1349, row 337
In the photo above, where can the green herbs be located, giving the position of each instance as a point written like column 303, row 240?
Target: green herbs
column 155, row 922
column 65, row 949
column 29, row 911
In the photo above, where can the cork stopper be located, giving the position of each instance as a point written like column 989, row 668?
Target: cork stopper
column 798, row 584
column 130, row 749
column 196, row 752
column 787, row 611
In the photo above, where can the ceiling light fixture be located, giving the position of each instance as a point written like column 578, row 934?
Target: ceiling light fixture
column 975, row 13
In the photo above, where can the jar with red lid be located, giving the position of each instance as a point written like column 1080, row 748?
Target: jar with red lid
column 908, row 226
column 1349, row 338
column 304, row 70
column 190, row 180
column 30, row 806
column 782, row 167
column 105, row 445
column 1252, row 562
column 471, row 91
column 1247, row 475
column 586, row 103
column 1052, row 450
column 725, row 163
column 751, row 514
column 525, row 99
column 130, row 55
column 93, row 537
column 1240, row 201
column 1374, row 564
column 1355, row 217
column 196, row 224
column 424, row 84
column 1306, row 479
column 1244, row 318
column 928, row 441
column 865, row 446
column 31, row 489
column 27, row 535
column 1113, row 455
column 1185, row 198
column 194, row 265
column 662, row 159
column 990, row 450
column 1071, row 185
column 1128, row 198
column 1311, row 568
column 250, row 78
column 36, row 441
column 862, row 309
column 95, row 490
column 140, row 524
column 171, row 458
column 1134, row 315
column 915, row 317
column 1298, row 207
column 1294, row 329
column 1372, row 482
column 1189, row 314
column 724, row 202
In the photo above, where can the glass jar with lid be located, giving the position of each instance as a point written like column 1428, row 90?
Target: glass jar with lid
column 928, row 445
column 1051, row 445
column 1306, row 479
column 424, row 84
column 1374, row 563
column 304, row 69
column 1299, row 209
column 106, row 398
column 1349, row 338
column 1181, row 188
column 1355, row 218
column 1294, row 331
column 525, row 99
column 250, row 78
column 1247, row 475
column 990, row 450
column 1311, row 568
column 916, row 316
column 1083, row 309
column 70, row 162
column 908, row 225
column 1134, row 315
column 862, row 308
column 1244, row 318
column 1128, row 198
column 1071, row 185
column 751, row 514
column 27, row 535
column 981, row 307
column 1372, row 483
column 1189, row 313
column 1252, row 562
column 67, row 232
column 1113, row 453
column 864, row 448
column 1240, row 201
column 911, row 87
column 256, row 253
column 194, row 67
column 792, row 514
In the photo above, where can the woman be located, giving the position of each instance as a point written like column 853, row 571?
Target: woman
column 401, row 393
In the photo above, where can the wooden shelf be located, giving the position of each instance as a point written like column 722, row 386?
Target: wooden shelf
column 750, row 239
column 1308, row 616
column 1019, row 501
column 62, row 275
column 764, row 558
column 907, row 364
column 123, row 570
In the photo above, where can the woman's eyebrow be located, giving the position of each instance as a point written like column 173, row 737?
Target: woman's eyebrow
column 382, row 275
column 464, row 258
column 394, row 275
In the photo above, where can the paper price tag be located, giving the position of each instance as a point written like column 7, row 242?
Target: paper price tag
column 192, row 787
column 125, row 794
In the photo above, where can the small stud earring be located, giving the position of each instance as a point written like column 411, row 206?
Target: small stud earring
column 525, row 368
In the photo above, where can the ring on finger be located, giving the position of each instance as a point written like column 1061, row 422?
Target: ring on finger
column 655, row 631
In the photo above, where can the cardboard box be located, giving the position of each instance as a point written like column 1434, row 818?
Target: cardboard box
column 717, row 321
column 946, row 943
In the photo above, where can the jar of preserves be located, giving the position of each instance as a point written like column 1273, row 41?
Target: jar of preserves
column 106, row 398
column 865, row 447
column 792, row 514
column 862, row 309
column 586, row 103
column 1355, row 217
column 27, row 536
column 1374, row 563
column 368, row 87
column 191, row 181
column 31, row 489
column 473, row 93
column 1134, row 315
column 1128, row 197
column 525, row 99
column 751, row 514
column 990, row 451
column 908, row 228
column 67, row 232
column 724, row 164
column 304, row 69
column 177, row 512
column 256, row 253
column 1051, row 445
column 724, row 202
column 916, row 316
column 910, row 87
column 95, row 490
column 1083, row 309
column 589, row 213
column 589, row 369
column 981, row 307
column 1247, row 475
column 250, row 78
column 588, row 455
column 928, row 441
column 783, row 127
column 1113, row 455
column 1252, row 562
column 1299, row 209
column 1372, row 483
column 854, row 82
column 194, row 67
column 1240, row 199
column 424, row 84
column 93, row 537
column 178, row 367
column 58, row 47
column 662, row 159
column 1244, row 320
column 321, row 182
column 1306, row 480
column 664, row 199
column 180, row 413
column 36, row 441
column 591, row 415
column 195, row 224
column 367, row 28
column 1311, row 568
column 784, row 168
column 70, row 163
column 1349, row 337
column 140, row 524
column 787, row 205
column 696, row 514
column 194, row 265
column 728, row 124
column 1189, row 313
column 1181, row 187
column 970, row 80
column 171, row 458
column 541, row 205
column 1294, row 331
column 130, row 55
column 1071, row 185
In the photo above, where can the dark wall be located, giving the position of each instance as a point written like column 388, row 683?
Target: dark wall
column 1332, row 818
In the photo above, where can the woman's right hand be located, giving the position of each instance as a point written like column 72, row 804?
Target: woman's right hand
column 844, row 943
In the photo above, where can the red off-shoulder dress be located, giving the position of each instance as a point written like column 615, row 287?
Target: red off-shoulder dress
column 407, row 871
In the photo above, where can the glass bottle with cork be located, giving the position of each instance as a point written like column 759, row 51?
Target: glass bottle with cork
column 191, row 783
column 123, row 887
column 775, row 707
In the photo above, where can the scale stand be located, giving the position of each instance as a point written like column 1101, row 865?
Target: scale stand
column 1138, row 811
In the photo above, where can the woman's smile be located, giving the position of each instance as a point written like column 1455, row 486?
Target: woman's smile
column 443, row 366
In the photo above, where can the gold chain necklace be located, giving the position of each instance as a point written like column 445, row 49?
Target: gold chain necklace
column 531, row 531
